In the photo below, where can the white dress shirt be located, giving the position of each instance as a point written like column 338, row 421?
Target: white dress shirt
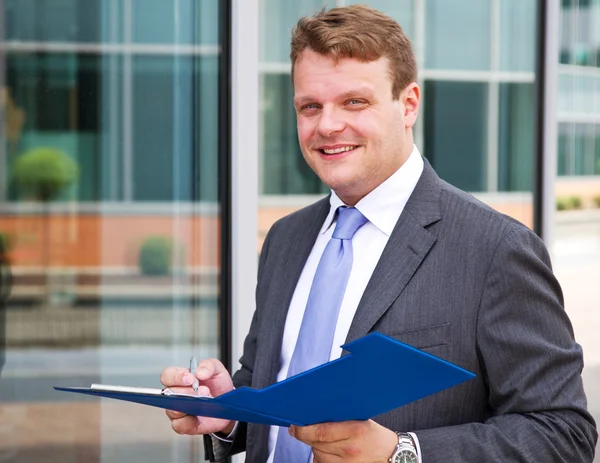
column 382, row 207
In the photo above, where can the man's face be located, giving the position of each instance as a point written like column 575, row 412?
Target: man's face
column 352, row 133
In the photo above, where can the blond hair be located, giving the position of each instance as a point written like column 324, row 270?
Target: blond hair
column 359, row 32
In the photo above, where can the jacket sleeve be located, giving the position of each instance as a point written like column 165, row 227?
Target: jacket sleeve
column 216, row 449
column 532, row 367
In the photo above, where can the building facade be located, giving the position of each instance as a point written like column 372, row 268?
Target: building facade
column 148, row 146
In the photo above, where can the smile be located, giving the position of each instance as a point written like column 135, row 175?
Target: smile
column 339, row 150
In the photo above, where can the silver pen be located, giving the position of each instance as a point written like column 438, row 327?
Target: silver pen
column 193, row 368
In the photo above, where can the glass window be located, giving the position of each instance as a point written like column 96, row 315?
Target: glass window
column 402, row 11
column 456, row 132
column 172, row 98
column 564, row 149
column 56, row 21
column 277, row 20
column 576, row 229
column 578, row 149
column 516, row 144
column 457, row 34
column 517, row 40
column 580, row 39
column 109, row 221
column 283, row 169
column 56, row 101
column 596, row 161
column 182, row 22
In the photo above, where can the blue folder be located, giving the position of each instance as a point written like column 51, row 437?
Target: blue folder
column 378, row 375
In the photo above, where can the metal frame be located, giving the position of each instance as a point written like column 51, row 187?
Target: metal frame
column 547, row 128
column 128, row 47
column 244, row 168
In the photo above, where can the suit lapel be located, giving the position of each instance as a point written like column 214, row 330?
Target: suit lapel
column 408, row 245
column 301, row 238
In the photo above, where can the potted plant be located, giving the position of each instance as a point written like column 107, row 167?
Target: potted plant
column 42, row 174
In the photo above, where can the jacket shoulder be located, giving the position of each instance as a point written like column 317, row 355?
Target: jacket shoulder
column 300, row 218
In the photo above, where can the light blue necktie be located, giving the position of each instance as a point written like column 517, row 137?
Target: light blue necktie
column 315, row 340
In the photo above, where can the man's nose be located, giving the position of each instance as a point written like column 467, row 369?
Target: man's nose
column 330, row 121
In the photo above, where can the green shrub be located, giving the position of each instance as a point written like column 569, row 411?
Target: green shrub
column 156, row 256
column 42, row 173
column 5, row 243
column 597, row 200
column 568, row 203
column 562, row 204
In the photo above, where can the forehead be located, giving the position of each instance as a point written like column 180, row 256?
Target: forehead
column 317, row 75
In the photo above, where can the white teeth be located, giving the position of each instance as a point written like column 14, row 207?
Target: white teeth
column 339, row 150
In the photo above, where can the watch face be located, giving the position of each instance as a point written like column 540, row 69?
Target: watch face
column 406, row 456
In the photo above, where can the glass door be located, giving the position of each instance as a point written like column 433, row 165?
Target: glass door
column 109, row 219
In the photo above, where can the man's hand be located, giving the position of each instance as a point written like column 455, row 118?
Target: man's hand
column 349, row 441
column 214, row 381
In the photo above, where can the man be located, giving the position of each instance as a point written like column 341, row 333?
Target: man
column 430, row 266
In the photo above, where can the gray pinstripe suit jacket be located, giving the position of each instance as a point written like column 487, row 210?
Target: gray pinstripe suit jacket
column 462, row 282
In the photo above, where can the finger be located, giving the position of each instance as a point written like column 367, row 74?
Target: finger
column 176, row 376
column 209, row 368
column 173, row 415
column 188, row 425
column 202, row 391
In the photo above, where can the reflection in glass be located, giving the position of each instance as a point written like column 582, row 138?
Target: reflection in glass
column 109, row 220
column 576, row 229
column 516, row 144
column 580, row 23
column 517, row 42
column 578, row 149
column 277, row 20
column 284, row 170
column 402, row 11
column 456, row 132
column 457, row 34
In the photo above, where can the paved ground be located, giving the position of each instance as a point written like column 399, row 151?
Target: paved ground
column 576, row 260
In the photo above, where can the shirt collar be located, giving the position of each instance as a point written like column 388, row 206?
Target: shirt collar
column 383, row 206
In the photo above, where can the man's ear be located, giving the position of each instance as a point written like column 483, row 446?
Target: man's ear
column 411, row 98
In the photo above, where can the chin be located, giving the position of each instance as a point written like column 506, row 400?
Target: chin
column 342, row 188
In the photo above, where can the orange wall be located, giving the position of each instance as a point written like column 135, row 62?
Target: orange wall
column 87, row 240
column 108, row 241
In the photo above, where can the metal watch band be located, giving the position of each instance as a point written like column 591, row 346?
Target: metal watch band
column 405, row 439
column 405, row 442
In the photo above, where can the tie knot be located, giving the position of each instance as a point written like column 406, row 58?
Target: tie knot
column 349, row 220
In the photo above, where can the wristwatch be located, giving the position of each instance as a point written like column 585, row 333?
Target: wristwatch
column 406, row 451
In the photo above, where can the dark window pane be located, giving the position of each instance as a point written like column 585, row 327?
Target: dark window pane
column 579, row 149
column 564, row 148
column 516, row 144
column 152, row 119
column 53, row 20
column 456, row 132
column 284, row 170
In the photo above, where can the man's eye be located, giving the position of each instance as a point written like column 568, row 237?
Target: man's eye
column 355, row 102
column 310, row 106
